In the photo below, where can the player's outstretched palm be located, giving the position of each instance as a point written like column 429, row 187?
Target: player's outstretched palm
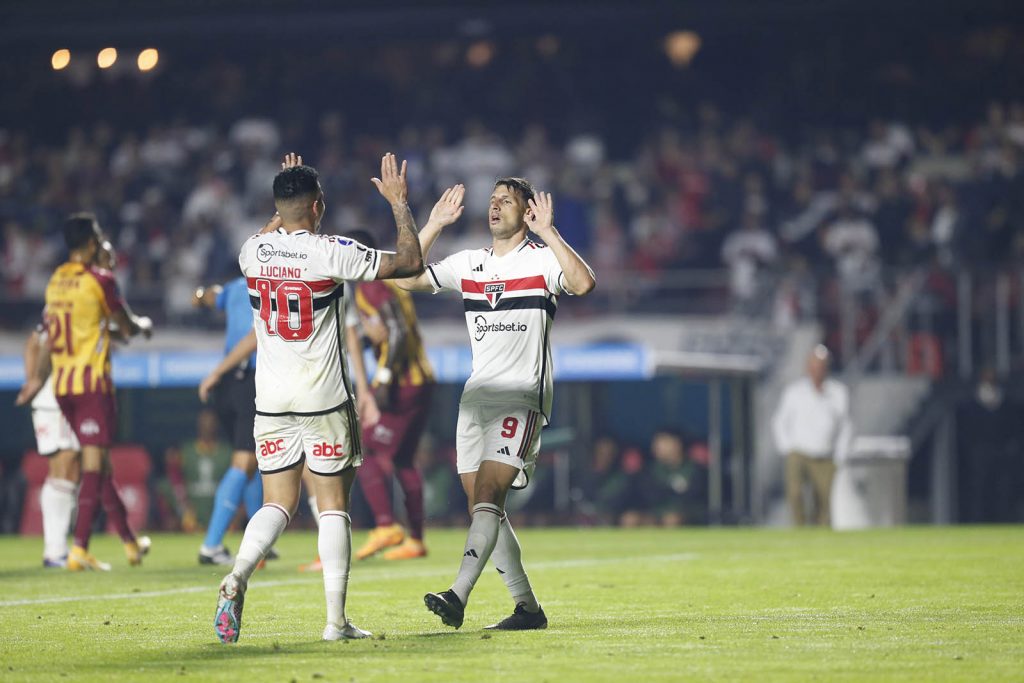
column 540, row 216
column 391, row 183
column 291, row 160
column 449, row 207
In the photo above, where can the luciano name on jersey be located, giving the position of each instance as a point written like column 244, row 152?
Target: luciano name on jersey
column 295, row 283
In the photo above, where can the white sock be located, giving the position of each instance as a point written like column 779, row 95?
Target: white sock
column 508, row 560
column 335, row 545
column 58, row 500
column 311, row 501
column 260, row 534
column 483, row 534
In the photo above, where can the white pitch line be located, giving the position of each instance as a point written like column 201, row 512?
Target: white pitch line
column 382, row 576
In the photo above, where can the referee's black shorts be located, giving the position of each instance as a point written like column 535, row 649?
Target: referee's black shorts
column 234, row 399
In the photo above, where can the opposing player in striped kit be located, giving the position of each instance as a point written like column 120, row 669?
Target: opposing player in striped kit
column 83, row 304
column 304, row 409
column 510, row 294
column 55, row 439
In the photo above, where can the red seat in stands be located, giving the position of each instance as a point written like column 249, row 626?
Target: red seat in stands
column 131, row 477
column 132, row 466
column 35, row 468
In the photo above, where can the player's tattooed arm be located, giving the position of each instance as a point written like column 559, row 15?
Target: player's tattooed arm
column 446, row 211
column 578, row 276
column 407, row 259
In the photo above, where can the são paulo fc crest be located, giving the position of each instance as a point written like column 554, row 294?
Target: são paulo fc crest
column 493, row 292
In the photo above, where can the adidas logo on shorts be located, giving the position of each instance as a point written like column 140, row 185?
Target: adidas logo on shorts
column 504, row 451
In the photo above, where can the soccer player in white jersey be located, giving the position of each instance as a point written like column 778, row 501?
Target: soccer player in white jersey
column 510, row 293
column 57, row 441
column 304, row 411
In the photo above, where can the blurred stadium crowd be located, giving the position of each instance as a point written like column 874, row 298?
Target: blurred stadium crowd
column 783, row 168
column 178, row 169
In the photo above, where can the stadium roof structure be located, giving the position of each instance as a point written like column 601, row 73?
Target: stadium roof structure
column 22, row 22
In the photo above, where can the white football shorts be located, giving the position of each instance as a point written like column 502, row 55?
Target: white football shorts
column 504, row 434
column 329, row 443
column 53, row 433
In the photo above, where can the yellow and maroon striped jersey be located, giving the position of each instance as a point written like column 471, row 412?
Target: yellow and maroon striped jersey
column 79, row 303
column 403, row 351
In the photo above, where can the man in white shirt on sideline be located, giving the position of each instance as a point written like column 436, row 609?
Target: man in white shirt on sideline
column 812, row 429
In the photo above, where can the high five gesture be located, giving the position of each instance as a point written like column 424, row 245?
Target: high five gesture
column 448, row 208
column 408, row 258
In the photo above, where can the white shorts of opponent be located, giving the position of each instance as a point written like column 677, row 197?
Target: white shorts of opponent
column 53, row 433
column 329, row 443
column 504, row 434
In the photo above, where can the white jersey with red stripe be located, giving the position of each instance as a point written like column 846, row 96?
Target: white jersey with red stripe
column 301, row 365
column 510, row 303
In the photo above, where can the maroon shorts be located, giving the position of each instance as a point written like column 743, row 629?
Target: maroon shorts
column 398, row 433
column 93, row 417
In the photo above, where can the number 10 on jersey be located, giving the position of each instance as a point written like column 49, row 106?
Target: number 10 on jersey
column 287, row 309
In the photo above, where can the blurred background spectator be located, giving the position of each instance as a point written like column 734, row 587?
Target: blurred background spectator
column 190, row 476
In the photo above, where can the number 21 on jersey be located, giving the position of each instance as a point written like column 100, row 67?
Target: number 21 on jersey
column 287, row 309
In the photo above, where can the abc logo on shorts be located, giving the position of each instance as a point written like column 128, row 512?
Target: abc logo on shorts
column 326, row 450
column 271, row 447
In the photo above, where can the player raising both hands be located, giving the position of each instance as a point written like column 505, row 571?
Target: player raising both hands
column 510, row 294
column 304, row 409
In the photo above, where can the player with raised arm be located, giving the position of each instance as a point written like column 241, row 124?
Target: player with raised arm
column 510, row 294
column 83, row 303
column 304, row 409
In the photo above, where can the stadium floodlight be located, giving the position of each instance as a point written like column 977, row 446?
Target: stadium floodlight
column 548, row 45
column 480, row 54
column 148, row 59
column 60, row 59
column 106, row 58
column 681, row 47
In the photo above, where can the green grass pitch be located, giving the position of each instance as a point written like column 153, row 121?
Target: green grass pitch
column 922, row 604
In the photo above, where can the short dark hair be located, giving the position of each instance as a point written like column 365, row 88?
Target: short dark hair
column 79, row 228
column 364, row 238
column 296, row 182
column 520, row 186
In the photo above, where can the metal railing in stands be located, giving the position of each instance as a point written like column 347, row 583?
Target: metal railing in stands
column 940, row 321
column 920, row 319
